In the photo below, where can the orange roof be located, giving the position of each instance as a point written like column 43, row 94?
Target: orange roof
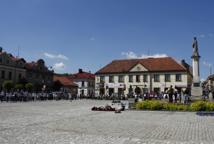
column 64, row 80
column 151, row 64
column 83, row 75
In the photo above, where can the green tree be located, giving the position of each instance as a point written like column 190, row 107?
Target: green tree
column 29, row 86
column 19, row 86
column 57, row 85
column 7, row 85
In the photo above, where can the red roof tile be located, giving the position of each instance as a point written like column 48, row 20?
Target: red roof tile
column 65, row 81
column 83, row 75
column 151, row 64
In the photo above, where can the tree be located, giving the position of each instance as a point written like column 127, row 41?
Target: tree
column 29, row 86
column 57, row 85
column 7, row 85
column 19, row 86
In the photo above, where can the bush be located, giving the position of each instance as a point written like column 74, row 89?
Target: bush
column 156, row 105
column 198, row 106
column 209, row 106
column 7, row 85
column 170, row 107
column 150, row 105
column 159, row 105
column 29, row 86
column 19, row 86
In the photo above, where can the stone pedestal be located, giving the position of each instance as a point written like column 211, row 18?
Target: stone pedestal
column 196, row 93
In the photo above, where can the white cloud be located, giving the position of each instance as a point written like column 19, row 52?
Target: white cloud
column 132, row 55
column 207, row 64
column 129, row 55
column 59, row 66
column 53, row 56
column 206, row 35
column 202, row 36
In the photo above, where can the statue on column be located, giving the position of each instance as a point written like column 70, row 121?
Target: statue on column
column 195, row 44
column 195, row 47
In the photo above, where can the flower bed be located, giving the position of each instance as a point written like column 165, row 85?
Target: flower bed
column 160, row 105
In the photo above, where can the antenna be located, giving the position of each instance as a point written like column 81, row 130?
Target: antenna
column 18, row 51
column 210, row 66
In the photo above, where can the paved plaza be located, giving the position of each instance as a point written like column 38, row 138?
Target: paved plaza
column 65, row 122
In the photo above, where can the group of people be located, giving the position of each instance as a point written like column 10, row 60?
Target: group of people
column 23, row 96
column 181, row 96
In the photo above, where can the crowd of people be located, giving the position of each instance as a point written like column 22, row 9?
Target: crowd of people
column 24, row 96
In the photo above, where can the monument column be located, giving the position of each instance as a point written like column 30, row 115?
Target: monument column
column 196, row 90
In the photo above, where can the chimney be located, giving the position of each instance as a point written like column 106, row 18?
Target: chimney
column 80, row 71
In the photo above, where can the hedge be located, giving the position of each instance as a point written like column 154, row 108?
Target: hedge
column 160, row 105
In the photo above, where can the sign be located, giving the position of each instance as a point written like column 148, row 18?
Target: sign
column 115, row 85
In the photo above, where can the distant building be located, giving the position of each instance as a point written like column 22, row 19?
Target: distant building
column 11, row 68
column 66, row 84
column 209, row 83
column 122, row 77
column 18, row 70
column 85, row 82
column 39, row 74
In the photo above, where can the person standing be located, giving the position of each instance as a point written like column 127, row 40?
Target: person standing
column 170, row 93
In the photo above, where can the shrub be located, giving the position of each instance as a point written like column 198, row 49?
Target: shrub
column 156, row 105
column 198, row 106
column 209, row 106
column 29, row 86
column 159, row 105
column 19, row 86
column 170, row 106
column 150, row 105
column 8, row 85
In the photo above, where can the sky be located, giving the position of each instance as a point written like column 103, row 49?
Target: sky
column 88, row 34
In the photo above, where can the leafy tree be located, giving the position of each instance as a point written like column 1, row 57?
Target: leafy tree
column 29, row 86
column 57, row 85
column 7, row 85
column 19, row 86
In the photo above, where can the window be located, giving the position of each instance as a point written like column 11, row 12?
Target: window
column 178, row 77
column 156, row 78
column 167, row 78
column 0, row 59
column 2, row 74
column 20, row 76
column 111, row 79
column 83, row 84
column 121, row 78
column 137, row 78
column 102, row 79
column 145, row 78
column 10, row 75
column 130, row 78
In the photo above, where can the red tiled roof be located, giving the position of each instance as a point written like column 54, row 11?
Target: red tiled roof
column 83, row 75
column 31, row 65
column 64, row 80
column 151, row 64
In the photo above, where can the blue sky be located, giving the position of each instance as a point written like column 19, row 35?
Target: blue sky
column 88, row 34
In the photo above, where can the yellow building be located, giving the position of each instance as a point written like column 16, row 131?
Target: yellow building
column 120, row 77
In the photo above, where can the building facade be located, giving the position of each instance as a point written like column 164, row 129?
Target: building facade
column 19, row 71
column 85, row 82
column 66, row 84
column 38, row 74
column 11, row 68
column 122, row 77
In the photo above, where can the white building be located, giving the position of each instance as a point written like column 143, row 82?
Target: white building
column 142, row 75
column 85, row 82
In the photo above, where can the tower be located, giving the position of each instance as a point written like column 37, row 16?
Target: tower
column 196, row 85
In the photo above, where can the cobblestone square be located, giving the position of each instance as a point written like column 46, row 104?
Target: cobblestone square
column 65, row 122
